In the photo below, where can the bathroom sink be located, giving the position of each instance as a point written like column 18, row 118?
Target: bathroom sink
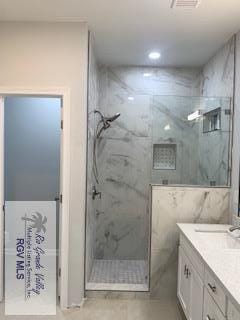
column 218, row 239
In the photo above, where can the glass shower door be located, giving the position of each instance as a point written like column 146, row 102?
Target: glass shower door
column 120, row 233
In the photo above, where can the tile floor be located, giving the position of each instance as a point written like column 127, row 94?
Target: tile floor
column 109, row 309
column 131, row 275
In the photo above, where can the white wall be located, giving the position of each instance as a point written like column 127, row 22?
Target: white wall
column 56, row 55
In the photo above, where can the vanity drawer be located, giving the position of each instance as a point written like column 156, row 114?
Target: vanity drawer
column 232, row 313
column 192, row 255
column 210, row 309
column 215, row 290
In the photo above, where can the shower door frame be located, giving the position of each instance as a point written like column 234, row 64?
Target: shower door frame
column 64, row 94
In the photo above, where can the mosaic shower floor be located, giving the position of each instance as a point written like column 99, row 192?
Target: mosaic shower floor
column 126, row 275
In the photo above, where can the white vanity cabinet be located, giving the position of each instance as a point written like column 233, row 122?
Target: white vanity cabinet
column 210, row 309
column 201, row 295
column 190, row 288
column 183, row 290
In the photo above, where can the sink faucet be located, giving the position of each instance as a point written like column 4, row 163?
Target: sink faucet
column 234, row 228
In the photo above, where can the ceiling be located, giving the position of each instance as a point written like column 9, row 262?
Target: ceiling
column 126, row 30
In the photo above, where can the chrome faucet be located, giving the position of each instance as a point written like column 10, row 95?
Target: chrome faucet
column 234, row 228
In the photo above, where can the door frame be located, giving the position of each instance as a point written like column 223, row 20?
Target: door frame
column 64, row 94
column 1, row 197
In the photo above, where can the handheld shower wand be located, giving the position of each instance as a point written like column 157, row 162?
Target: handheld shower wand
column 106, row 123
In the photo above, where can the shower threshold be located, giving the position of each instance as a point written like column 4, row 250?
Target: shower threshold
column 119, row 275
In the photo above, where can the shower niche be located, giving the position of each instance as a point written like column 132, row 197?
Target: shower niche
column 164, row 156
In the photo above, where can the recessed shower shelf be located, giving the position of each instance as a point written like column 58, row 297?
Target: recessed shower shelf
column 164, row 156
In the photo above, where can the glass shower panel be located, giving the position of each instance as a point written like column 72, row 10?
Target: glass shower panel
column 120, row 254
column 171, row 129
column 190, row 140
column 214, row 144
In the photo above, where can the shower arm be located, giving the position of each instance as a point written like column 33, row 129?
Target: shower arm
column 101, row 115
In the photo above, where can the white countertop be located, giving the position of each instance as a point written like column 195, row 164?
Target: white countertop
column 224, row 263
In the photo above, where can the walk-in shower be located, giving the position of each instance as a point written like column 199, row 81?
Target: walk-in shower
column 173, row 140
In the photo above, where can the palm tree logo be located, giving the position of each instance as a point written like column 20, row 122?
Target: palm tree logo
column 38, row 222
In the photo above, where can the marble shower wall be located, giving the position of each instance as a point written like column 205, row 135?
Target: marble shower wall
column 93, row 91
column 217, row 80
column 163, row 81
column 123, row 155
column 125, row 152
column 171, row 205
column 217, row 75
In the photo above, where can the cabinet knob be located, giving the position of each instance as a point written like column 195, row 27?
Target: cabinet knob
column 185, row 270
column 213, row 288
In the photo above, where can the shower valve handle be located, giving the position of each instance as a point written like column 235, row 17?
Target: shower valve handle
column 96, row 193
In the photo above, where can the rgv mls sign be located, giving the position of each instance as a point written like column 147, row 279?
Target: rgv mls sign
column 30, row 258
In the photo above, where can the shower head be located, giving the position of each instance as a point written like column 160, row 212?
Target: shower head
column 106, row 120
column 113, row 118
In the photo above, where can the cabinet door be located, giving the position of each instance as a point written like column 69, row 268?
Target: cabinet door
column 196, row 296
column 184, row 284
column 233, row 313
column 211, row 310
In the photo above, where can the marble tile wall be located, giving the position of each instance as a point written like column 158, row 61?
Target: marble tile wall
column 124, row 177
column 217, row 75
column 171, row 205
column 162, row 81
column 217, row 80
column 125, row 152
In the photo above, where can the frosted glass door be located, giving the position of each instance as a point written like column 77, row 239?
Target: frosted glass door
column 32, row 135
column 1, row 193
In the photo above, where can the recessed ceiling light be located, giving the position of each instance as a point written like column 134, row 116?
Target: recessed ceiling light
column 154, row 55
column 147, row 74
column 130, row 98
column 185, row 3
